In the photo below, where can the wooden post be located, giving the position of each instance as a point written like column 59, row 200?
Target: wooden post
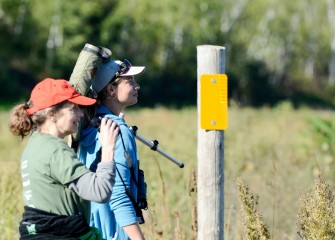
column 210, row 180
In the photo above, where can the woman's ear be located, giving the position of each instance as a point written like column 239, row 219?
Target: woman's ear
column 50, row 113
column 111, row 89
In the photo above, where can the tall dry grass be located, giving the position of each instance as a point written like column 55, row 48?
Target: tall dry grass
column 278, row 154
column 274, row 150
column 10, row 188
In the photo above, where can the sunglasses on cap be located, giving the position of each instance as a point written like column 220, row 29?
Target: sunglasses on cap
column 124, row 67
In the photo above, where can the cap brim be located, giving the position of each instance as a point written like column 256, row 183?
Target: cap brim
column 81, row 100
column 134, row 70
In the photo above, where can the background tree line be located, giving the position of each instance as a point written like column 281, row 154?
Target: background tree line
column 275, row 49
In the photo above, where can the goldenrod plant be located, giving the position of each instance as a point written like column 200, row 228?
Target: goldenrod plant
column 253, row 222
column 316, row 214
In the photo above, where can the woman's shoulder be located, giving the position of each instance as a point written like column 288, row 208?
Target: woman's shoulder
column 47, row 138
column 46, row 143
column 105, row 112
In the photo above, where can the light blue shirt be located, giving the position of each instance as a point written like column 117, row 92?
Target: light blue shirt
column 111, row 217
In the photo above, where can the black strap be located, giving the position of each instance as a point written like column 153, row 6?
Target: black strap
column 126, row 154
column 131, row 197
column 131, row 169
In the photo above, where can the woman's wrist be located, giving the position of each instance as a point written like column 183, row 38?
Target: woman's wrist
column 107, row 155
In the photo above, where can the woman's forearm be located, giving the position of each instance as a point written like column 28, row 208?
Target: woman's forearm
column 97, row 186
column 134, row 232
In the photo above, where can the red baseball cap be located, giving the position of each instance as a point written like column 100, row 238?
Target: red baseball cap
column 50, row 92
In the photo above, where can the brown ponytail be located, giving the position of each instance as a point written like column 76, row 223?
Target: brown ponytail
column 20, row 123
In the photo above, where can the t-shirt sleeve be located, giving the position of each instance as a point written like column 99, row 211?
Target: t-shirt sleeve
column 97, row 186
column 65, row 166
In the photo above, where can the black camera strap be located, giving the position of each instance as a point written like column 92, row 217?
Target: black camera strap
column 130, row 165
column 132, row 199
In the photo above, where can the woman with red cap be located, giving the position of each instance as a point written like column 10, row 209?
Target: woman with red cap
column 57, row 187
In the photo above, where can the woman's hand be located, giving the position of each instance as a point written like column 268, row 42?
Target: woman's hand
column 109, row 131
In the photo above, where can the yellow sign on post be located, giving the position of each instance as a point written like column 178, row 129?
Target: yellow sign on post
column 214, row 101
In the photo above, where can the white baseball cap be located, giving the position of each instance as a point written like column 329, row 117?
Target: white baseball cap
column 113, row 68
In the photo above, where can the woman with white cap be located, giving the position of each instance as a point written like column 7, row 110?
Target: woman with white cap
column 57, row 187
column 117, row 89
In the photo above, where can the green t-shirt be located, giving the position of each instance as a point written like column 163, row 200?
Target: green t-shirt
column 48, row 164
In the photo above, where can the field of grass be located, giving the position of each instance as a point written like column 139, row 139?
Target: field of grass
column 277, row 152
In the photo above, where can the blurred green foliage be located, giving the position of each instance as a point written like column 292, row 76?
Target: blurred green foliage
column 322, row 131
column 275, row 49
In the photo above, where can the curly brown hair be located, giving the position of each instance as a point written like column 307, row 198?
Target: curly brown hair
column 22, row 124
